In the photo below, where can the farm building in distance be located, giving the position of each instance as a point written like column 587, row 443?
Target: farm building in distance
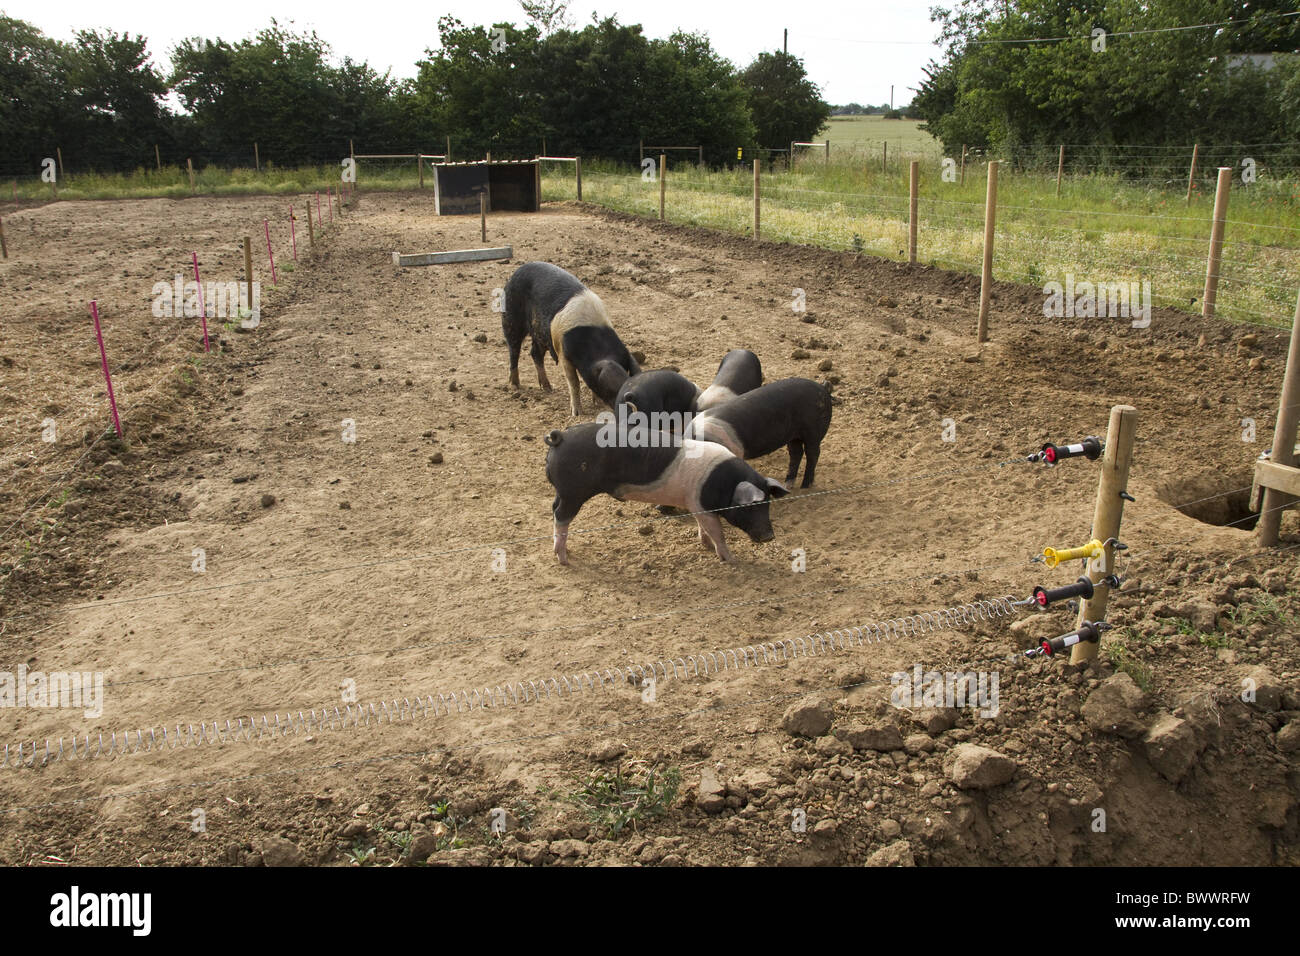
column 511, row 186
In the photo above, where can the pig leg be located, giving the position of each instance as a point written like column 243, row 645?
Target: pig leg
column 561, row 538
column 514, row 363
column 796, row 450
column 564, row 513
column 571, row 376
column 814, row 452
column 712, row 536
column 538, row 353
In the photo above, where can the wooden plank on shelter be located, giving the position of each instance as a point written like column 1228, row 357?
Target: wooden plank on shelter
column 455, row 255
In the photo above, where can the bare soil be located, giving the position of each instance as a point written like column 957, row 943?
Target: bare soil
column 373, row 568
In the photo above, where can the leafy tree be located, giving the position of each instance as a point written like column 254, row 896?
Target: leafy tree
column 34, row 96
column 117, row 98
column 993, row 89
column 785, row 104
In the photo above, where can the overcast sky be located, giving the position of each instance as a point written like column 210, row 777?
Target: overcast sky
column 854, row 51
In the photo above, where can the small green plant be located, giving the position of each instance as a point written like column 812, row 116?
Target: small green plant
column 626, row 797
column 1215, row 640
column 400, row 839
column 1123, row 659
column 361, row 855
column 858, row 245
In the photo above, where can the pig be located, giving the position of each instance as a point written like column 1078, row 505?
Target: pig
column 739, row 372
column 567, row 319
column 701, row 477
column 661, row 390
column 794, row 412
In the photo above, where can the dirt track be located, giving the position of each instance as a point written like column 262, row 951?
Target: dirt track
column 372, row 567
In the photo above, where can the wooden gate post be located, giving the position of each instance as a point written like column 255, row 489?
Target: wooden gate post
column 986, row 273
column 756, row 200
column 1288, row 419
column 1216, row 241
column 1191, row 173
column 577, row 167
column 1060, row 168
column 663, row 183
column 1111, row 488
column 914, row 175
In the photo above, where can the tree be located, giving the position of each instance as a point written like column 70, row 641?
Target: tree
column 35, row 100
column 785, row 105
column 1149, row 85
column 547, row 15
column 117, row 95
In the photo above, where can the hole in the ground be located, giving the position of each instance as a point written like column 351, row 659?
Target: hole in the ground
column 1214, row 497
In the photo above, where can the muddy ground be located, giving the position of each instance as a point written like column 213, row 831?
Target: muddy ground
column 416, row 560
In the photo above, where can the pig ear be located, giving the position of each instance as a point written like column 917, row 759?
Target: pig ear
column 776, row 489
column 746, row 493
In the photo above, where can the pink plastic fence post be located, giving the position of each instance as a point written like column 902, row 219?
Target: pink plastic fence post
column 203, row 311
column 329, row 197
column 293, row 235
column 103, row 361
column 266, row 224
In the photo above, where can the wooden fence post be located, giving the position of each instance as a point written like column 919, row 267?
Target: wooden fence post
column 756, row 201
column 914, row 175
column 4, row 247
column 189, row 165
column 419, row 162
column 248, row 269
column 701, row 163
column 828, row 152
column 1274, row 500
column 482, row 214
column 257, row 159
column 963, row 164
column 663, row 183
column 1191, row 173
column 1216, row 241
column 448, row 159
column 1111, row 488
column 577, row 169
column 986, row 274
column 311, row 229
column 884, row 157
column 59, row 151
column 157, row 157
column 1060, row 168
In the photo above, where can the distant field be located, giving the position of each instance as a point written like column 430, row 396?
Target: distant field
column 866, row 133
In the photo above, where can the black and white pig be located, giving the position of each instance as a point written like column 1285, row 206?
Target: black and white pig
column 739, row 372
column 794, row 413
column 661, row 390
column 567, row 319
column 700, row 477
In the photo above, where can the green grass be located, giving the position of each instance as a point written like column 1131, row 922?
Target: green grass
column 628, row 796
column 865, row 134
column 1123, row 658
column 1102, row 228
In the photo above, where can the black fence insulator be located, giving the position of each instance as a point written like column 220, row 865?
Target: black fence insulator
column 1045, row 597
column 1090, row 448
column 1088, row 631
